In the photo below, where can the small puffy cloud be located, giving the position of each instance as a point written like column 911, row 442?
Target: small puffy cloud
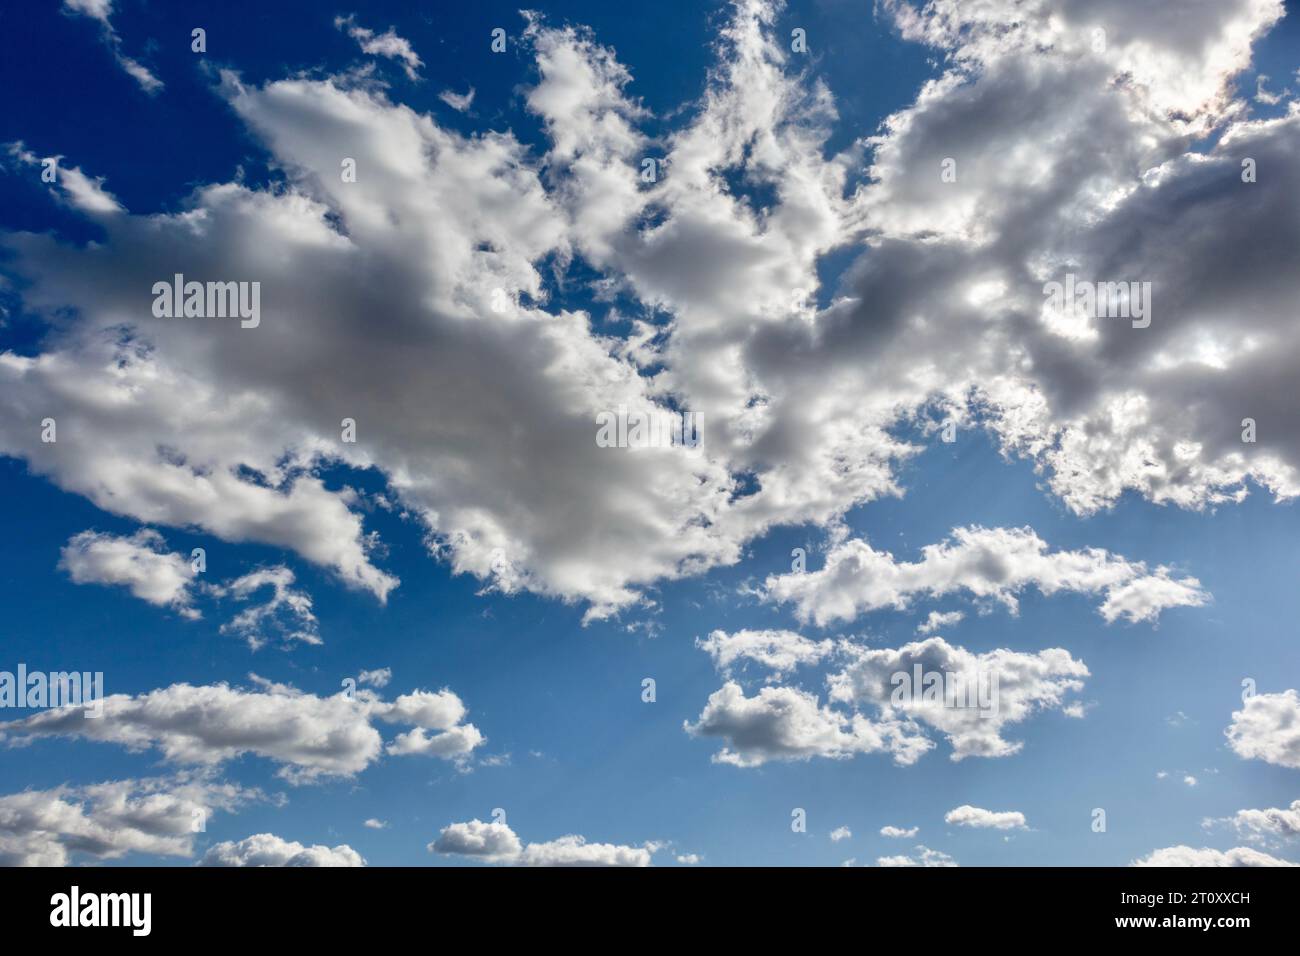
column 689, row 859
column 841, row 833
column 992, row 564
column 267, row 849
column 1268, row 728
column 899, row 832
column 309, row 737
column 924, row 856
column 785, row 723
column 379, row 677
column 938, row 620
column 1187, row 856
column 497, row 843
column 451, row 744
column 574, row 850
column 376, row 824
column 387, row 44
column 432, row 710
column 780, row 651
column 138, row 562
column 979, row 818
column 492, row 842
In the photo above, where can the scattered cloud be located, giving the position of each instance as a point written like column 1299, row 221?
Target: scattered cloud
column 899, row 832
column 102, row 11
column 497, row 843
column 387, row 44
column 924, row 856
column 106, row 821
column 267, row 849
column 1267, row 728
column 309, row 737
column 990, row 564
column 979, row 818
column 1187, row 856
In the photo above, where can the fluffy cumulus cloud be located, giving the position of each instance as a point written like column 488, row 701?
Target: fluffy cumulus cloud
column 990, row 564
column 497, row 843
column 267, row 849
column 780, row 651
column 1268, row 728
column 106, row 821
column 899, row 832
column 307, row 736
column 923, row 856
column 139, row 563
column 1270, row 825
column 436, row 285
column 1189, row 856
column 970, row 698
column 785, row 723
column 1101, row 406
column 882, row 699
column 979, row 818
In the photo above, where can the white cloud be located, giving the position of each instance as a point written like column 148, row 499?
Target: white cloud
column 780, row 651
column 379, row 677
column 106, row 821
column 841, row 833
column 141, row 563
column 978, row 817
column 992, row 564
column 375, row 824
column 460, row 102
column 1274, row 823
column 992, row 691
column 924, row 857
column 899, row 832
column 784, row 723
column 287, row 613
column 138, row 562
column 1187, row 856
column 181, row 424
column 386, row 44
column 938, row 620
column 1268, row 728
column 689, row 859
column 309, row 737
column 102, row 11
column 267, row 849
column 497, row 843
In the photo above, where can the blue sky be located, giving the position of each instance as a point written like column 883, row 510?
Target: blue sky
column 549, row 665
